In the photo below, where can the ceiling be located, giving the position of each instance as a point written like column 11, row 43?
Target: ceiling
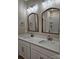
column 31, row 3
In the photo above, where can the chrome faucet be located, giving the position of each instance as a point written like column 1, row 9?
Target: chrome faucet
column 49, row 38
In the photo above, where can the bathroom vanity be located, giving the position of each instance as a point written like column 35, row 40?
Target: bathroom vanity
column 38, row 48
column 40, row 17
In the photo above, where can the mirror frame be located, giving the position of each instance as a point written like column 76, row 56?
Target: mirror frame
column 36, row 29
column 42, row 19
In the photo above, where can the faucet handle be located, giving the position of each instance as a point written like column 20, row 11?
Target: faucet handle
column 49, row 37
column 32, row 35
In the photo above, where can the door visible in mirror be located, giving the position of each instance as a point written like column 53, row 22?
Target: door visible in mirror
column 50, row 20
column 33, row 22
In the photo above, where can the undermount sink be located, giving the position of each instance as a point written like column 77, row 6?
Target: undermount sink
column 49, row 43
column 46, row 41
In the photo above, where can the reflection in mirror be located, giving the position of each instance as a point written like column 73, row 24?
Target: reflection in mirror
column 50, row 21
column 33, row 22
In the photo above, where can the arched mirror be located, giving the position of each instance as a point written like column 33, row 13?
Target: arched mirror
column 51, row 20
column 33, row 22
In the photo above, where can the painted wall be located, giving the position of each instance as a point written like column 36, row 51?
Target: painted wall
column 21, row 16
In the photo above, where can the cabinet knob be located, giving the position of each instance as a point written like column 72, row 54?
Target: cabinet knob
column 41, row 58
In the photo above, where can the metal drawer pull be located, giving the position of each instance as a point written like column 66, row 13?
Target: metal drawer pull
column 52, row 58
column 41, row 58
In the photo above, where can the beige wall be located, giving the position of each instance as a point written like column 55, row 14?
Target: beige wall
column 21, row 16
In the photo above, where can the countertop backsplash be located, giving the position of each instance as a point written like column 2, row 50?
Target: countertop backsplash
column 41, row 35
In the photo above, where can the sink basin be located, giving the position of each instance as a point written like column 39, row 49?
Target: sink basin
column 49, row 43
column 46, row 42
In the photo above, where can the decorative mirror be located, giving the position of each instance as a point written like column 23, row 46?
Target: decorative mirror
column 33, row 22
column 50, row 21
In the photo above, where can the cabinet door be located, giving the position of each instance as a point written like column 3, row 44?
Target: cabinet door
column 37, row 55
column 20, row 47
column 34, row 55
column 23, row 50
column 26, row 52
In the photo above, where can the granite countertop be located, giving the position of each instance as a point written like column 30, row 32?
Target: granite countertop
column 55, row 46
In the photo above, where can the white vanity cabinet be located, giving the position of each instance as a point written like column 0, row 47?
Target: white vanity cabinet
column 24, row 49
column 41, row 53
column 36, row 55
column 32, row 51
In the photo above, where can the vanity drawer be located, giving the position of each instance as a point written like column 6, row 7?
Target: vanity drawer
column 25, row 43
column 44, row 51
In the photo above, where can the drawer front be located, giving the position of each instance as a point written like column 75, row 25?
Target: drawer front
column 26, row 43
column 44, row 51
